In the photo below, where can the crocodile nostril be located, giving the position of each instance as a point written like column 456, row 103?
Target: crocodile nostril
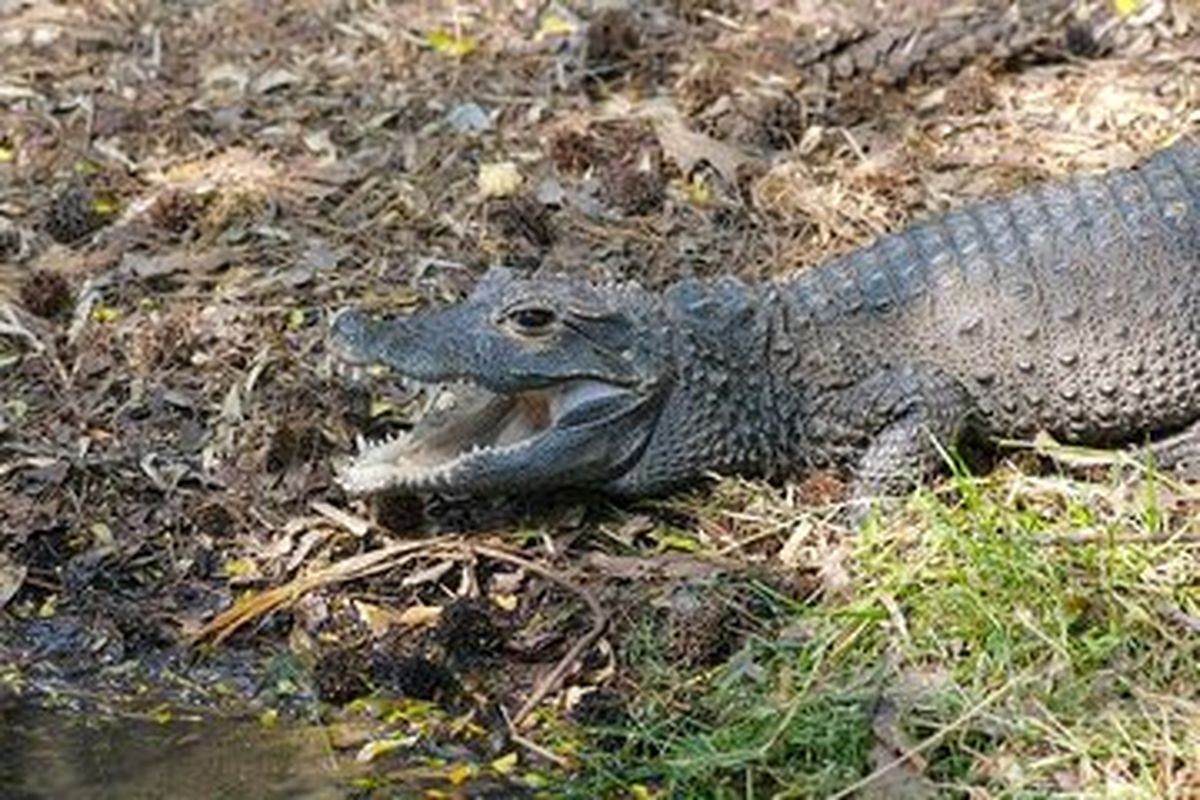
column 346, row 323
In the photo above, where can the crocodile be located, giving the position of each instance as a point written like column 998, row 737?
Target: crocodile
column 1070, row 307
column 925, row 44
column 847, row 55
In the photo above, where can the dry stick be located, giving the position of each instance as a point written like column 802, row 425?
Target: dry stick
column 531, row 745
column 1101, row 537
column 600, row 621
column 227, row 622
column 932, row 741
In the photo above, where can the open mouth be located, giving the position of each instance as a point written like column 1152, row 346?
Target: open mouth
column 462, row 422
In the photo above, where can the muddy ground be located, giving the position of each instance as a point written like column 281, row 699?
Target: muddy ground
column 188, row 190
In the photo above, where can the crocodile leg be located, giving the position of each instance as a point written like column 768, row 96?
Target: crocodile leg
column 897, row 459
column 914, row 413
column 1179, row 452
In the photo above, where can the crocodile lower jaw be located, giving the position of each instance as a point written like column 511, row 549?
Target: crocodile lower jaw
column 462, row 423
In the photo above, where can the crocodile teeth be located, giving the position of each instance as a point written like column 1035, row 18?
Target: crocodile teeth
column 458, row 426
column 350, row 372
column 444, row 400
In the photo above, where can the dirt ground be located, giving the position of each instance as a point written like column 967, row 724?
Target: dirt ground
column 188, row 190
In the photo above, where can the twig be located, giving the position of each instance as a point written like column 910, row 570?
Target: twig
column 356, row 526
column 928, row 743
column 1092, row 537
column 531, row 745
column 552, row 679
column 1178, row 616
column 227, row 622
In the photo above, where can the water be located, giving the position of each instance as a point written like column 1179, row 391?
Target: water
column 65, row 755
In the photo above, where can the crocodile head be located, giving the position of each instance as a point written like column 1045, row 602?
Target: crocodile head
column 537, row 383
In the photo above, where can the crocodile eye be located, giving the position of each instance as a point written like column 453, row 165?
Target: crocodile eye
column 531, row 320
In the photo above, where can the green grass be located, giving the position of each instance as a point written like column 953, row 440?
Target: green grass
column 1027, row 637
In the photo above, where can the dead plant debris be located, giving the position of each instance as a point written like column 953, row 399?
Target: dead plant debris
column 189, row 190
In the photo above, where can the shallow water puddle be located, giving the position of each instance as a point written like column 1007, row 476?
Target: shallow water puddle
column 62, row 754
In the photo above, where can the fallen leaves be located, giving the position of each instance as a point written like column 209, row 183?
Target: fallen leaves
column 381, row 620
column 448, row 43
column 12, row 578
column 688, row 149
column 500, row 179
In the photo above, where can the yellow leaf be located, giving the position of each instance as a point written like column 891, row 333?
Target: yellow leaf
column 240, row 568
column 505, row 602
column 102, row 535
column 269, row 718
column 451, row 44
column 554, row 25
column 380, row 618
column 505, row 764
column 105, row 314
column 670, row 541
column 295, row 319
column 48, row 608
column 7, row 153
column 499, row 180
column 699, row 191
column 1127, row 8
column 414, row 616
column 412, row 712
column 381, row 747
column 460, row 774
column 535, row 780
column 104, row 205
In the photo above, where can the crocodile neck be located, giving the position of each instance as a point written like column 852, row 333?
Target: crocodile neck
column 735, row 403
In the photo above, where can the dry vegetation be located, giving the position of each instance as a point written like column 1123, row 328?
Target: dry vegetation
column 189, row 189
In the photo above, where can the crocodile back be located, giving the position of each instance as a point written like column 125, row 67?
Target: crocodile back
column 1069, row 307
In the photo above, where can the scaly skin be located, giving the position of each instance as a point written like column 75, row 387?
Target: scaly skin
column 1071, row 308
column 929, row 44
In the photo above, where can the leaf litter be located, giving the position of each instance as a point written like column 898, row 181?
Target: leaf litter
column 184, row 206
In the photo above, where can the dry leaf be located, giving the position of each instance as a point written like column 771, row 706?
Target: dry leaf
column 789, row 554
column 460, row 774
column 352, row 524
column 553, row 24
column 381, row 619
column 1127, row 8
column 381, row 747
column 12, row 577
column 499, row 180
column 505, row 602
column 835, row 580
column 273, row 79
column 688, row 148
column 504, row 764
column 428, row 575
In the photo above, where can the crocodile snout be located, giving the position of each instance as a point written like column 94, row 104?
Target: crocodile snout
column 350, row 334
